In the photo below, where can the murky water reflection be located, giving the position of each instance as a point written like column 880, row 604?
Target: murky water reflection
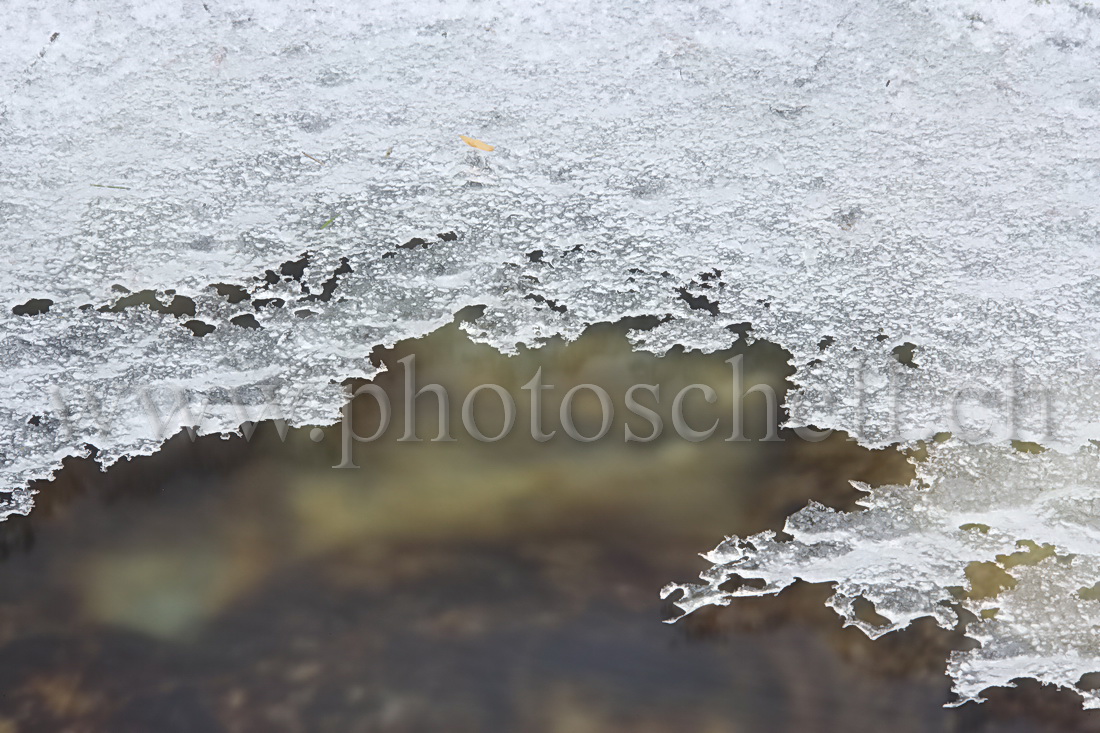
column 232, row 586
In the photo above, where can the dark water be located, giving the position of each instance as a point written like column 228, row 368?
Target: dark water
column 225, row 585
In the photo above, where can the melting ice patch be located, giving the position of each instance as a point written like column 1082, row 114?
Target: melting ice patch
column 1047, row 627
column 910, row 547
column 858, row 183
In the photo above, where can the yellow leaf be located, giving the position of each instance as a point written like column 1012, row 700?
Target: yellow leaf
column 475, row 143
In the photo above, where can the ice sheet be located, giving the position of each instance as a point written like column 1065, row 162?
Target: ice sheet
column 914, row 175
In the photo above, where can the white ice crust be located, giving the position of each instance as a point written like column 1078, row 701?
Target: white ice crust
column 923, row 173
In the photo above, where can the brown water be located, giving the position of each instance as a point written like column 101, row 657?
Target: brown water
column 225, row 585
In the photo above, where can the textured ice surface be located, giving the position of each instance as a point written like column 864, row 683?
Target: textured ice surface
column 883, row 174
column 1042, row 628
column 911, row 546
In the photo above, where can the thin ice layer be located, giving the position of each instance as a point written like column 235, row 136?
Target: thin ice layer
column 923, row 173
column 901, row 194
column 1045, row 628
column 912, row 544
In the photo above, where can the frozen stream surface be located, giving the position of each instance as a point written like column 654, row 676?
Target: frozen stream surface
column 854, row 182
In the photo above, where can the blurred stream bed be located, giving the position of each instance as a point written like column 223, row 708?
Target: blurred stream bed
column 233, row 585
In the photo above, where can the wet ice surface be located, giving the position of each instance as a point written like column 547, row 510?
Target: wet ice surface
column 1042, row 628
column 913, row 547
column 847, row 181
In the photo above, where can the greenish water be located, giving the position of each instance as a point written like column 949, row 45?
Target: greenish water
column 225, row 585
